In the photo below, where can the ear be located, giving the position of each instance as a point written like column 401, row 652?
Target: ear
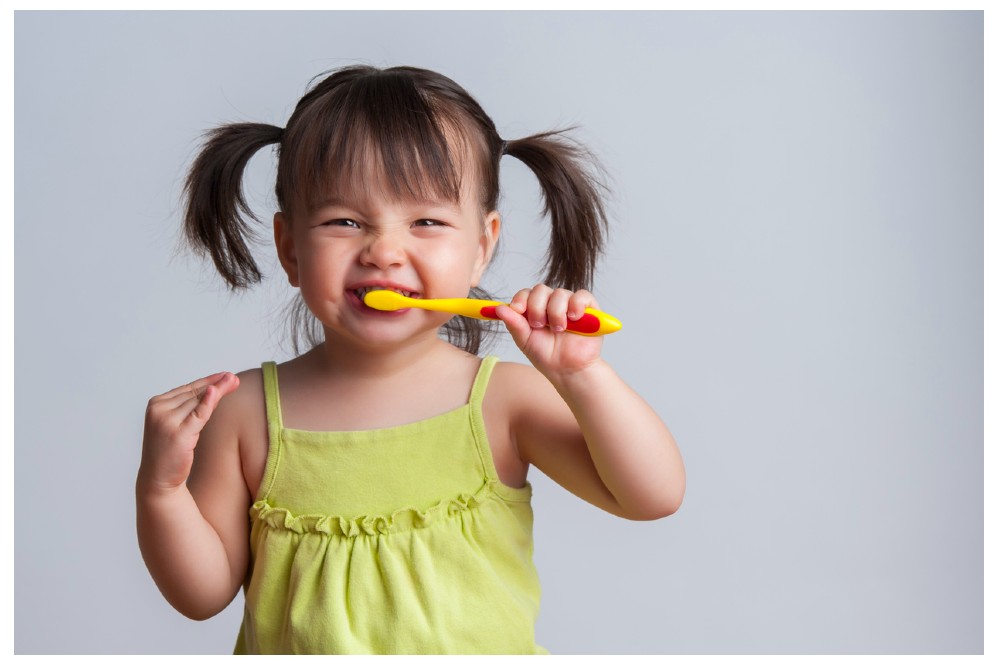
column 487, row 244
column 284, row 242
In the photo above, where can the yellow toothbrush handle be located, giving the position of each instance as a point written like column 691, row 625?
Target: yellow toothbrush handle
column 464, row 307
column 593, row 323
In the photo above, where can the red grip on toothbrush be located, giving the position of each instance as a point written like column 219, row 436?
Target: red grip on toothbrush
column 587, row 324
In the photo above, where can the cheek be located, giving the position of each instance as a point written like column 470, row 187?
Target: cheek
column 454, row 263
column 325, row 258
column 321, row 273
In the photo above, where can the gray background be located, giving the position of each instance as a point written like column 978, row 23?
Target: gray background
column 796, row 255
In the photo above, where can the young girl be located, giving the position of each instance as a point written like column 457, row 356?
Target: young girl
column 384, row 470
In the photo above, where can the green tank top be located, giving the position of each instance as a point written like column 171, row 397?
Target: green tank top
column 393, row 540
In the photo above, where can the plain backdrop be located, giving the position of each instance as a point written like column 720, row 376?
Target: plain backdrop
column 796, row 255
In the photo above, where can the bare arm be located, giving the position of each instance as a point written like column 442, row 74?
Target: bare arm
column 191, row 508
column 581, row 423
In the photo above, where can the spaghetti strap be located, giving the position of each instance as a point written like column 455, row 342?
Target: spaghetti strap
column 478, row 424
column 481, row 382
column 272, row 405
column 272, row 399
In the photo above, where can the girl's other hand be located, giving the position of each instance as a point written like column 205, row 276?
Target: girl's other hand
column 537, row 320
column 174, row 422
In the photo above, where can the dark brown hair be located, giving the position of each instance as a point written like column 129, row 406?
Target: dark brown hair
column 413, row 130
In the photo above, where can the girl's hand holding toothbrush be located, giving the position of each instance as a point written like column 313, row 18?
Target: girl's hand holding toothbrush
column 537, row 319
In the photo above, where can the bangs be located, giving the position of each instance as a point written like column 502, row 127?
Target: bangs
column 375, row 136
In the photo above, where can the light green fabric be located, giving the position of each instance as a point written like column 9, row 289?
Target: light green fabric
column 394, row 540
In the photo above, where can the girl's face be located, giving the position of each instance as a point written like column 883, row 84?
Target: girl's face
column 425, row 249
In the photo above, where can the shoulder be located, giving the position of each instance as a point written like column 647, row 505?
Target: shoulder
column 237, row 429
column 523, row 398
column 240, row 412
column 246, row 402
column 519, row 386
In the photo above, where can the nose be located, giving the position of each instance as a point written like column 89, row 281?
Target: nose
column 383, row 250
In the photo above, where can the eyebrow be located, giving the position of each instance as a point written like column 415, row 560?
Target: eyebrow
column 433, row 203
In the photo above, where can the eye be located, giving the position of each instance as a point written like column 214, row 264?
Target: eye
column 342, row 222
column 428, row 222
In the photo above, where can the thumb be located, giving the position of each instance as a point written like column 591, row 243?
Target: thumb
column 516, row 324
column 213, row 393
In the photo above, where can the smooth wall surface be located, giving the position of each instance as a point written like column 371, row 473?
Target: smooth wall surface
column 796, row 255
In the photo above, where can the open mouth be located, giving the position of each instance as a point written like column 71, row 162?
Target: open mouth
column 361, row 291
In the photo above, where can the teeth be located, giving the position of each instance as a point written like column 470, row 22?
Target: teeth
column 361, row 291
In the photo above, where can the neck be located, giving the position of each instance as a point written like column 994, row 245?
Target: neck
column 346, row 386
column 379, row 361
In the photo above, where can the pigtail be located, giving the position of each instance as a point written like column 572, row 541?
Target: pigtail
column 216, row 211
column 572, row 192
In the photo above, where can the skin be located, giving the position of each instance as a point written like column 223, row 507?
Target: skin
column 568, row 414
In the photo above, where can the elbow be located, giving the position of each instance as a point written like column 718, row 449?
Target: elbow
column 654, row 512
column 197, row 612
column 656, row 508
column 660, row 500
column 201, row 616
column 195, row 615
column 199, row 607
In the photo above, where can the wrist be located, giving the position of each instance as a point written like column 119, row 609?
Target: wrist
column 585, row 379
column 149, row 489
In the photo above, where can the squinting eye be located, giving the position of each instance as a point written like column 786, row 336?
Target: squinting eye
column 428, row 223
column 341, row 222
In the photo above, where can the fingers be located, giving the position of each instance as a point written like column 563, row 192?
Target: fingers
column 206, row 397
column 516, row 324
column 174, row 422
column 195, row 388
column 578, row 303
column 193, row 392
column 195, row 400
column 209, row 400
column 543, row 306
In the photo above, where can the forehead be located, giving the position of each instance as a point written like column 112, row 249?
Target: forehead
column 399, row 133
column 407, row 176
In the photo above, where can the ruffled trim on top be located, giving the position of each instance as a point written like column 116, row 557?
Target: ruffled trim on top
column 407, row 518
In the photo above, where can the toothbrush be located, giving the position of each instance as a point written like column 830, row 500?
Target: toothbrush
column 593, row 322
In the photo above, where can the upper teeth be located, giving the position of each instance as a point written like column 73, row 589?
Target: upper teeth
column 361, row 291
